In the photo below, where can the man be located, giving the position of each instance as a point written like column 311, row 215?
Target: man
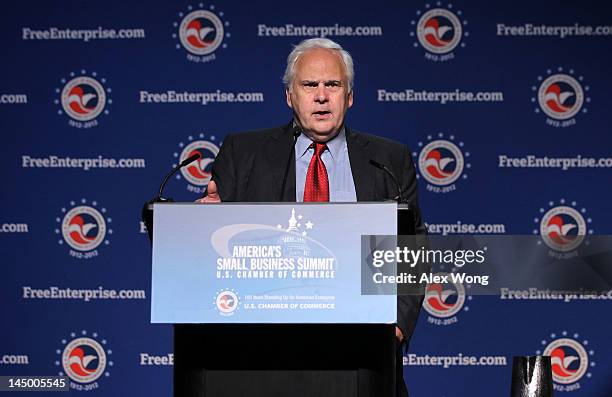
column 331, row 162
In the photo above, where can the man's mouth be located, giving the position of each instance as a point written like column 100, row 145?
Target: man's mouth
column 322, row 115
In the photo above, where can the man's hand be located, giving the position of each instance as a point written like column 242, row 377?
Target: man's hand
column 212, row 194
column 399, row 335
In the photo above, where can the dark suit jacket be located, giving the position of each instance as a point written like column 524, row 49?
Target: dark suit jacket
column 251, row 167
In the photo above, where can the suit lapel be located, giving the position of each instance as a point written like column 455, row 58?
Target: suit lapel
column 278, row 149
column 362, row 170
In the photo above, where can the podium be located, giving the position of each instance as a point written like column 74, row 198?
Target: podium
column 250, row 321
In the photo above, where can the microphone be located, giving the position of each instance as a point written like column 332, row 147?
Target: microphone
column 190, row 159
column 383, row 167
column 183, row 163
column 297, row 131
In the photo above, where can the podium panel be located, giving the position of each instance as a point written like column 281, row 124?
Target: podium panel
column 266, row 299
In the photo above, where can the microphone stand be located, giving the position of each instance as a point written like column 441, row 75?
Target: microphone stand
column 406, row 222
column 147, row 208
column 297, row 131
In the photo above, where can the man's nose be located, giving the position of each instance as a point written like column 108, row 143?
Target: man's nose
column 321, row 94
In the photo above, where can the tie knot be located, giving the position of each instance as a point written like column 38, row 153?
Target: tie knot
column 319, row 148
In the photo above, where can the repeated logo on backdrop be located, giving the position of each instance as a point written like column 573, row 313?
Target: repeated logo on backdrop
column 200, row 32
column 198, row 173
column 83, row 228
column 561, row 96
column 84, row 359
column 562, row 227
column 571, row 360
column 83, row 97
column 442, row 163
column 444, row 301
column 439, row 30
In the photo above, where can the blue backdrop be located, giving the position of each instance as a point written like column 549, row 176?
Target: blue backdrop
column 503, row 104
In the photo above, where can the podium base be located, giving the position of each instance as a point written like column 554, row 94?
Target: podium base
column 269, row 360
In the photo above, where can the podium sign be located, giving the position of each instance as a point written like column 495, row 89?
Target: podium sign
column 266, row 263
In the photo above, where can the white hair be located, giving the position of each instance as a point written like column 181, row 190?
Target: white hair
column 310, row 44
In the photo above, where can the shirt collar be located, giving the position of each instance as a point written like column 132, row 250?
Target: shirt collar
column 334, row 146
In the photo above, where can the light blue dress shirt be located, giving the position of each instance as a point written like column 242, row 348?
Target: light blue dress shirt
column 336, row 160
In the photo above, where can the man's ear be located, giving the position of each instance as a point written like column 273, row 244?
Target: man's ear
column 288, row 95
column 350, row 99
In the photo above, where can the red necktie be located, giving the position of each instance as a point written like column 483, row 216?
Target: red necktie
column 317, row 184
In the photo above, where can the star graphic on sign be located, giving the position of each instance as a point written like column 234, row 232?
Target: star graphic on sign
column 309, row 225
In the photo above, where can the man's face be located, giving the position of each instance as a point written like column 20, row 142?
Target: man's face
column 319, row 94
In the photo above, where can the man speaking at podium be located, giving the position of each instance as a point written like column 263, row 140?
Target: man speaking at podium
column 331, row 162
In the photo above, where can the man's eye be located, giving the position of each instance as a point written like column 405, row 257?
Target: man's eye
column 332, row 84
column 310, row 84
